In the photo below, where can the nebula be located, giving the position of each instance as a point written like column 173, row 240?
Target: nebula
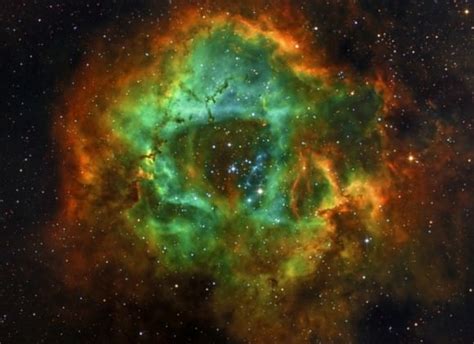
column 225, row 154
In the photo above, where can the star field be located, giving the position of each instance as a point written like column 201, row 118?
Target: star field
column 236, row 173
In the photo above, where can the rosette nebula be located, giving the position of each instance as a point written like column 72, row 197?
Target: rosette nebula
column 225, row 178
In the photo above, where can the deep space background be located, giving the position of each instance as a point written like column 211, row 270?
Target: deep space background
column 429, row 49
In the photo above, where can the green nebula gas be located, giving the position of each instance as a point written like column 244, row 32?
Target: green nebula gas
column 225, row 152
column 224, row 141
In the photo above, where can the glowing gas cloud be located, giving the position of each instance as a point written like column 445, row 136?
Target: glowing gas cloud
column 225, row 149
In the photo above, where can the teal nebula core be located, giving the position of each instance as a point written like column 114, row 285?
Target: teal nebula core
column 219, row 135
